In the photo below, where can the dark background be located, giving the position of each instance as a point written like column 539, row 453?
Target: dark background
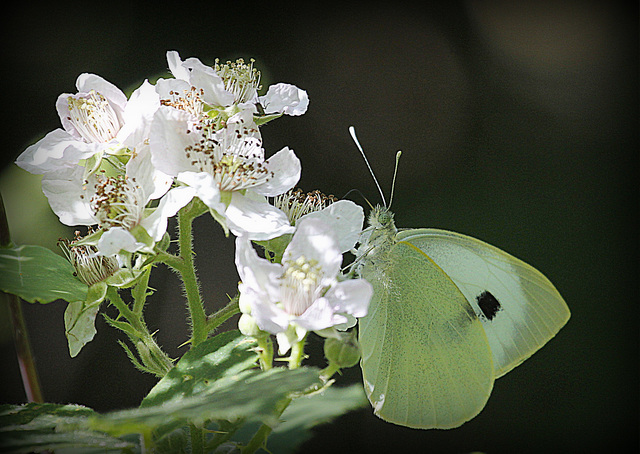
column 518, row 126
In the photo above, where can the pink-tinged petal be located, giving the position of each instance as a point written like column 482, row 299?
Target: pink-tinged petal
column 285, row 168
column 350, row 297
column 255, row 218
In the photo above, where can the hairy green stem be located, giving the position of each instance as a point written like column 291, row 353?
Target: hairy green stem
column 187, row 271
column 265, row 352
column 155, row 359
column 224, row 314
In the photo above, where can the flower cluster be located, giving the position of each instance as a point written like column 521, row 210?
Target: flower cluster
column 124, row 166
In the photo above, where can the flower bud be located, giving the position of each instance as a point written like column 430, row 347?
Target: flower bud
column 248, row 326
column 343, row 352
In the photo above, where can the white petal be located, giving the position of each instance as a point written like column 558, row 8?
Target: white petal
column 256, row 219
column 153, row 182
column 314, row 240
column 116, row 239
column 169, row 139
column 350, row 297
column 56, row 150
column 156, row 223
column 205, row 78
column 175, row 66
column 87, row 82
column 255, row 272
column 67, row 197
column 206, row 188
column 267, row 315
column 293, row 334
column 286, row 169
column 345, row 218
column 285, row 98
column 164, row 87
column 317, row 316
column 138, row 115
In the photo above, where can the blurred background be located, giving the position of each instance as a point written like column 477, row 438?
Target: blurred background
column 518, row 125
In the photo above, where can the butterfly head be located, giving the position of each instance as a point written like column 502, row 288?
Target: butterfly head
column 381, row 218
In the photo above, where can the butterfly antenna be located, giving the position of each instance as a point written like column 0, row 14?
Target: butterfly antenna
column 361, row 195
column 352, row 131
column 393, row 182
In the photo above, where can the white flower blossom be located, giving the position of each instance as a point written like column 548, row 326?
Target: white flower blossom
column 226, row 168
column 118, row 203
column 96, row 119
column 303, row 293
column 235, row 84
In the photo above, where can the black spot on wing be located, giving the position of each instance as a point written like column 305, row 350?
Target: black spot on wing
column 488, row 304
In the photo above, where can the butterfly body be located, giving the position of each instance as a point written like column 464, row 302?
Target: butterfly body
column 449, row 315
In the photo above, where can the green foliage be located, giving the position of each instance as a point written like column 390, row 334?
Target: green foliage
column 306, row 412
column 215, row 385
column 38, row 275
column 47, row 427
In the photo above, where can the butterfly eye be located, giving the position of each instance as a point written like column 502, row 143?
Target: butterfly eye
column 385, row 218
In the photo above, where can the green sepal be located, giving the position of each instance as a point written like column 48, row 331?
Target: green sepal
column 37, row 275
column 260, row 120
column 220, row 219
column 276, row 246
column 80, row 318
column 123, row 278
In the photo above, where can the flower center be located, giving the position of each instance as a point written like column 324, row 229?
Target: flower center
column 233, row 157
column 189, row 101
column 296, row 203
column 93, row 117
column 118, row 202
column 301, row 288
column 240, row 79
column 89, row 267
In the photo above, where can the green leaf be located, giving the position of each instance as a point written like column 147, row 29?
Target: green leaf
column 204, row 367
column 306, row 412
column 80, row 318
column 47, row 427
column 36, row 274
column 250, row 395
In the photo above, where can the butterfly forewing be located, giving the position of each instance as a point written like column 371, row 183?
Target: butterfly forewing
column 519, row 307
column 426, row 361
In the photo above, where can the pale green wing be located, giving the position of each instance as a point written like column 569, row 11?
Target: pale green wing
column 519, row 307
column 426, row 361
